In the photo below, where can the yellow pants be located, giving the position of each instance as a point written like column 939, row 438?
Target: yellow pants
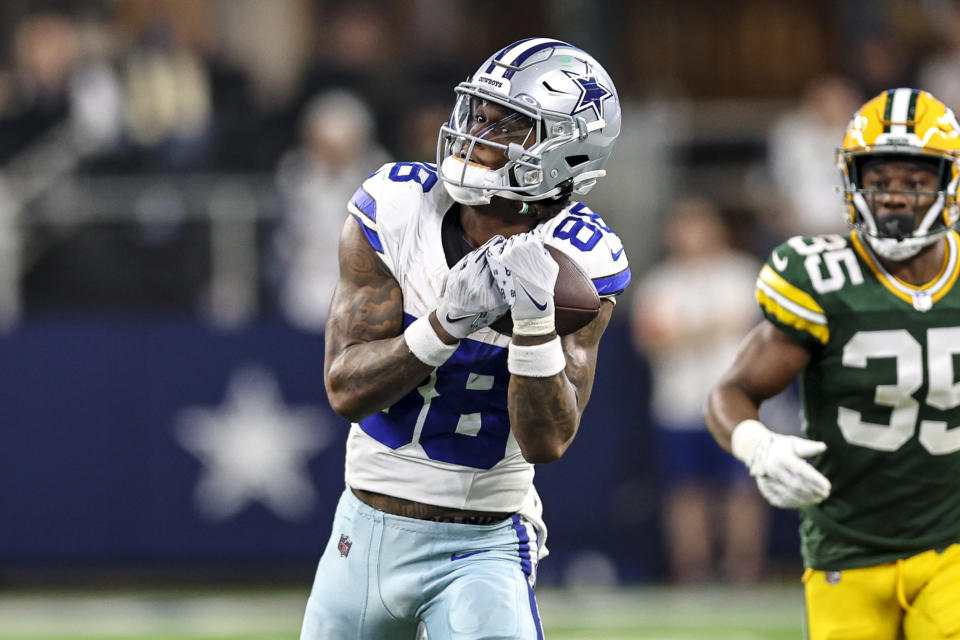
column 917, row 598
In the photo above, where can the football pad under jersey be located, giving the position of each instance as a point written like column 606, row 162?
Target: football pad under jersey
column 882, row 390
column 448, row 442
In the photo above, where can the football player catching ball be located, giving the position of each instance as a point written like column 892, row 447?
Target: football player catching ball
column 870, row 322
column 439, row 523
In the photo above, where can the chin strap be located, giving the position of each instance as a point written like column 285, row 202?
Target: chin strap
column 897, row 250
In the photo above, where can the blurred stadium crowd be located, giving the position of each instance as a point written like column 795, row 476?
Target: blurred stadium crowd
column 193, row 158
column 144, row 142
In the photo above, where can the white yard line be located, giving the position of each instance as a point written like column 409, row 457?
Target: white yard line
column 186, row 614
column 124, row 615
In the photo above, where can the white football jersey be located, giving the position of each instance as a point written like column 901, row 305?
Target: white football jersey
column 448, row 442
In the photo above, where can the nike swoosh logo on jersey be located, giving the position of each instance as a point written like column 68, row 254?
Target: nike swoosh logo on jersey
column 778, row 262
column 542, row 307
column 617, row 254
column 454, row 556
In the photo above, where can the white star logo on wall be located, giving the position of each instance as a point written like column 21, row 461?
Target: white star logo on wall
column 254, row 448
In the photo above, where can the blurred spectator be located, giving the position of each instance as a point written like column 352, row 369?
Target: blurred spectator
column 59, row 103
column 63, row 73
column 800, row 146
column 356, row 50
column 167, row 84
column 940, row 74
column 877, row 59
column 338, row 149
column 689, row 315
column 35, row 95
column 96, row 98
column 421, row 130
column 643, row 175
column 269, row 41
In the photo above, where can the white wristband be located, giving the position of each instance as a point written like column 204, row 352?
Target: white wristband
column 534, row 326
column 745, row 438
column 537, row 361
column 426, row 345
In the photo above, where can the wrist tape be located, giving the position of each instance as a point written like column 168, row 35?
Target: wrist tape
column 536, row 361
column 534, row 326
column 746, row 437
column 425, row 344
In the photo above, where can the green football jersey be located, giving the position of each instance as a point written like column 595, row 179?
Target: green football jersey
column 882, row 390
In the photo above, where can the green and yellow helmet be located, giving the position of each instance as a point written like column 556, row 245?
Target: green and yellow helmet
column 909, row 125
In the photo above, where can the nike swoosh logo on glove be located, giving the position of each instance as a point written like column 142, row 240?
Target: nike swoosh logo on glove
column 454, row 556
column 542, row 307
column 459, row 318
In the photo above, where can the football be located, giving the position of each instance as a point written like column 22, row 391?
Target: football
column 575, row 299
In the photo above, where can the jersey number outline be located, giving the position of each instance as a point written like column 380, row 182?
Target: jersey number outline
column 419, row 172
column 579, row 218
column 943, row 393
column 829, row 251
column 460, row 443
column 460, row 428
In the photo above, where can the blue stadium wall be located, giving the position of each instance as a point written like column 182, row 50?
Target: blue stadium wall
column 95, row 473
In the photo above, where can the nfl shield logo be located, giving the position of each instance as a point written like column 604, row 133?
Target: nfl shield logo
column 344, row 545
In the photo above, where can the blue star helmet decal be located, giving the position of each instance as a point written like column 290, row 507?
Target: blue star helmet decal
column 592, row 94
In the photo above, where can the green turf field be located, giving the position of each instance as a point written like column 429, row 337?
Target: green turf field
column 649, row 613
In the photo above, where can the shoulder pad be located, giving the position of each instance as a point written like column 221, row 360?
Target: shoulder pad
column 790, row 285
column 397, row 178
column 582, row 234
column 391, row 196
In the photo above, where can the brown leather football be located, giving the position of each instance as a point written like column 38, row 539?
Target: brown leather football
column 575, row 299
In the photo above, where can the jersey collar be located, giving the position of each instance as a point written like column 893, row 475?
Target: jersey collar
column 921, row 297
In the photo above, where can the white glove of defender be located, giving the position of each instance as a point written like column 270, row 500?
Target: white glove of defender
column 784, row 478
column 527, row 274
column 471, row 298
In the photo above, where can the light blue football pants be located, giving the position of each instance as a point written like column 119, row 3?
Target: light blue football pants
column 382, row 574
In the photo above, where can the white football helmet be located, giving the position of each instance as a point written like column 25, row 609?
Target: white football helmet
column 558, row 116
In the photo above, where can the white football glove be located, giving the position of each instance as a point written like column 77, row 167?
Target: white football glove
column 527, row 274
column 776, row 460
column 471, row 298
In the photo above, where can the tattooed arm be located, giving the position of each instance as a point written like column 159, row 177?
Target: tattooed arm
column 545, row 412
column 367, row 366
